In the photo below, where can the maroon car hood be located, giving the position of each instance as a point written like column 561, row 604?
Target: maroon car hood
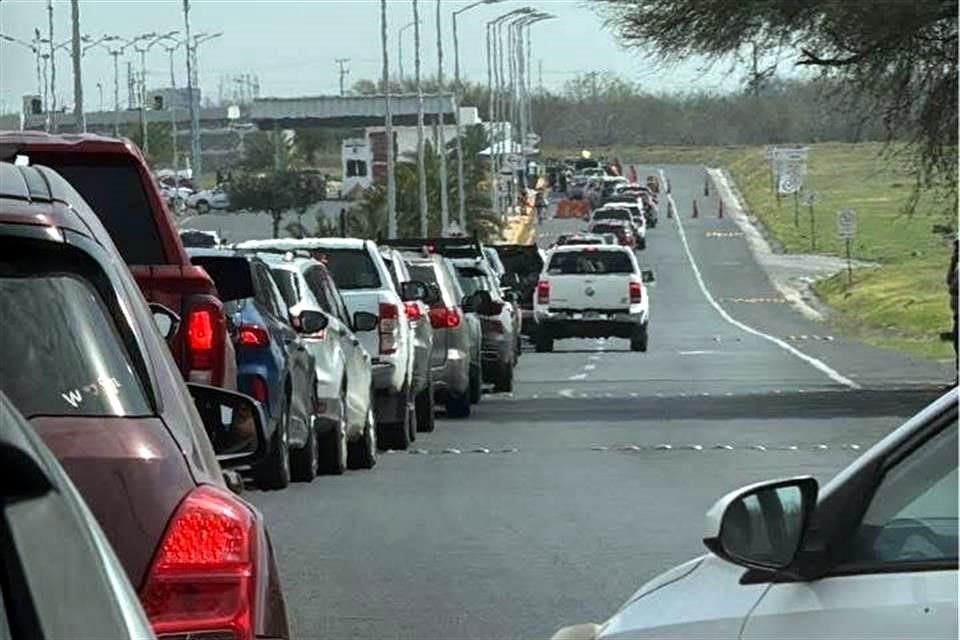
column 130, row 472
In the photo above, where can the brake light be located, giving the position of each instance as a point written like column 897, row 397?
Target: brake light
column 636, row 292
column 252, row 335
column 445, row 318
column 202, row 579
column 258, row 390
column 389, row 326
column 200, row 338
column 543, row 292
column 412, row 310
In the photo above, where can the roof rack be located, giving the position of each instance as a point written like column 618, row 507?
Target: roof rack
column 300, row 253
column 465, row 247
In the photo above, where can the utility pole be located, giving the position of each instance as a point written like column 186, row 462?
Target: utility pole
column 388, row 127
column 173, row 108
column 196, row 162
column 442, row 143
column 421, row 169
column 400, row 51
column 344, row 72
column 490, row 137
column 52, row 112
column 100, row 91
column 80, row 120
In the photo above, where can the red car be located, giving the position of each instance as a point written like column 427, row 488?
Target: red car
column 83, row 358
column 113, row 178
column 620, row 228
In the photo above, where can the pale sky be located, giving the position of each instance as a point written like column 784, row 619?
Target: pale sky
column 291, row 45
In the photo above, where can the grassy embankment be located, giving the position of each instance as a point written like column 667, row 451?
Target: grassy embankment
column 903, row 303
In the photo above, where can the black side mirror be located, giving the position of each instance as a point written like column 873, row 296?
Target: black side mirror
column 469, row 303
column 365, row 321
column 647, row 276
column 413, row 290
column 313, row 321
column 234, row 423
column 167, row 321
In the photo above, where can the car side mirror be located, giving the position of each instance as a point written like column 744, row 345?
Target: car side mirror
column 469, row 303
column 647, row 276
column 434, row 296
column 762, row 526
column 414, row 290
column 234, row 423
column 311, row 321
column 365, row 321
column 166, row 320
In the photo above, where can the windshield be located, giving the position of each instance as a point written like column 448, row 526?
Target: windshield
column 350, row 268
column 61, row 354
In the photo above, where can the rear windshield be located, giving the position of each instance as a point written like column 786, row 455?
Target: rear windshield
column 595, row 262
column 522, row 262
column 61, row 353
column 608, row 228
column 116, row 195
column 611, row 214
column 231, row 275
column 423, row 273
column 350, row 268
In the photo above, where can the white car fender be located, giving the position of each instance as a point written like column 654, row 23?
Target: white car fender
column 707, row 601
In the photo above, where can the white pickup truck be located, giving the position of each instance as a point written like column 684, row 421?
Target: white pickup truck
column 365, row 284
column 591, row 291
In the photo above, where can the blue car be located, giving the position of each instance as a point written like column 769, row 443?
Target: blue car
column 273, row 363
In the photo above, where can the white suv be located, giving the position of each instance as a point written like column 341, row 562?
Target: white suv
column 365, row 285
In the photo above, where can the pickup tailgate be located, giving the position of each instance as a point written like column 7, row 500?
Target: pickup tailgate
column 602, row 292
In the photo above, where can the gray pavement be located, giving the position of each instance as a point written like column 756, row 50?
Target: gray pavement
column 552, row 504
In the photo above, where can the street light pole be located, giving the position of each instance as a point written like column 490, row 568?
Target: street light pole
column 51, row 117
column 421, row 169
column 80, row 120
column 196, row 162
column 442, row 142
column 388, row 126
column 400, row 50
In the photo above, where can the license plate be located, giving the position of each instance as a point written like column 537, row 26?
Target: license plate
column 591, row 315
column 577, row 316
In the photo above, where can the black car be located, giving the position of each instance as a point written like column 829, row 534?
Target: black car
column 273, row 363
column 523, row 264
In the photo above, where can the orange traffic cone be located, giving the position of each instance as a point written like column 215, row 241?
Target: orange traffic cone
column 720, row 210
column 696, row 211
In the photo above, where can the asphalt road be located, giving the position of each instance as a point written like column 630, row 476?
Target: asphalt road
column 551, row 505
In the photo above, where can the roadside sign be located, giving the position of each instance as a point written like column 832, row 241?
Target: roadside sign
column 788, row 184
column 789, row 168
column 846, row 224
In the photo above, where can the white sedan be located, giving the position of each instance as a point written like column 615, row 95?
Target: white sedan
column 204, row 201
column 874, row 555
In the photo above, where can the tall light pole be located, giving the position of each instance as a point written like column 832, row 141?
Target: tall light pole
column 100, row 91
column 388, row 126
column 441, row 141
column 458, row 88
column 171, row 49
column 37, row 54
column 144, row 134
column 51, row 117
column 526, row 111
column 421, row 169
column 80, row 120
column 115, row 53
column 400, row 49
column 196, row 163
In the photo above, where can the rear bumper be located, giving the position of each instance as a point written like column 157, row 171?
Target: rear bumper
column 382, row 376
column 453, row 376
column 611, row 325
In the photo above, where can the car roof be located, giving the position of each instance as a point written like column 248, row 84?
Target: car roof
column 305, row 243
column 287, row 261
column 563, row 248
column 11, row 142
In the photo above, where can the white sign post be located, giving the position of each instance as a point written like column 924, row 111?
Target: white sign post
column 847, row 231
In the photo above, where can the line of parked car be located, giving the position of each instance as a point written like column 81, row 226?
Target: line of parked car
column 157, row 376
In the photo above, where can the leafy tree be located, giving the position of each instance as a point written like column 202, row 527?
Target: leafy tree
column 901, row 57
column 276, row 193
column 260, row 150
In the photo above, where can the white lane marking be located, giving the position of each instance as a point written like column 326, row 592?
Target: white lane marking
column 565, row 393
column 577, row 376
column 589, row 367
column 814, row 362
column 698, row 352
column 596, row 357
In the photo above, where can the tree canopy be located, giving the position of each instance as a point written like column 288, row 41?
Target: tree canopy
column 900, row 56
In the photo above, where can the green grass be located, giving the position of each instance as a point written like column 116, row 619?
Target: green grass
column 903, row 303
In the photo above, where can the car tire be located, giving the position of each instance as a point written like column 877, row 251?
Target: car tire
column 304, row 462
column 396, row 435
column 504, row 381
column 274, row 472
column 638, row 340
column 362, row 454
column 458, row 405
column 425, row 407
column 543, row 343
column 203, row 207
column 333, row 445
column 642, row 244
column 476, row 383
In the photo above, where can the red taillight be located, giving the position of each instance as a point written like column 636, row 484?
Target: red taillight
column 258, row 390
column 412, row 310
column 252, row 335
column 543, row 292
column 200, row 338
column 636, row 292
column 389, row 327
column 444, row 318
column 203, row 576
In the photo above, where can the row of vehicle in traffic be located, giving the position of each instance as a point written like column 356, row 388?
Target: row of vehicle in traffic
column 162, row 378
column 179, row 192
